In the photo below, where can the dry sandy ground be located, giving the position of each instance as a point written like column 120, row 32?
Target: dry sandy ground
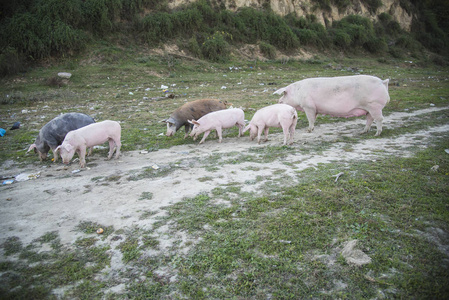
column 58, row 200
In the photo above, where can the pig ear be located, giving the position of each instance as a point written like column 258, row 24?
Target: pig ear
column 193, row 122
column 33, row 146
column 56, row 150
column 280, row 91
column 67, row 147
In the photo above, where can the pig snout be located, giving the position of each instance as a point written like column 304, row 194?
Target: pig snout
column 171, row 129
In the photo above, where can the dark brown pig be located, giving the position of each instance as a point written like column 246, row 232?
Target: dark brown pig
column 192, row 111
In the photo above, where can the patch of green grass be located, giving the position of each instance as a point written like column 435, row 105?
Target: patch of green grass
column 287, row 245
column 90, row 227
column 130, row 249
column 12, row 245
column 205, row 178
column 146, row 196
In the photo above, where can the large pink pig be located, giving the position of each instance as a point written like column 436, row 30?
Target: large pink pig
column 91, row 135
column 218, row 120
column 276, row 115
column 344, row 96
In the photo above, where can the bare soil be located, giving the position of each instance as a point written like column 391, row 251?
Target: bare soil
column 110, row 192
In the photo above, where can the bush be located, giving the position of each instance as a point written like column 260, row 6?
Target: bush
column 194, row 47
column 215, row 48
column 279, row 34
column 341, row 38
column 158, row 27
column 267, row 50
column 373, row 5
column 10, row 62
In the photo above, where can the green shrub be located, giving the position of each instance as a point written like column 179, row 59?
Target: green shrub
column 215, row 48
column 269, row 51
column 158, row 27
column 10, row 62
column 376, row 45
column 373, row 5
column 307, row 37
column 279, row 34
column 341, row 38
column 194, row 47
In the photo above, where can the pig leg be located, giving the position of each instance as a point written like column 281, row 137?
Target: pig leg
column 55, row 153
column 369, row 121
column 374, row 116
column 204, row 136
column 219, row 134
column 286, row 131
column 292, row 129
column 311, row 117
column 118, row 144
column 187, row 128
column 89, row 153
column 82, row 156
column 266, row 133
column 377, row 116
column 241, row 126
column 259, row 133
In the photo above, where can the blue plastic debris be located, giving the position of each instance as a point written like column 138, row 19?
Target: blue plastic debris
column 2, row 132
column 15, row 126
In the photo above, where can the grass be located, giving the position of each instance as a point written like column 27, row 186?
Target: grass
column 272, row 236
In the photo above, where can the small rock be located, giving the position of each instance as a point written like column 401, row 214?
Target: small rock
column 435, row 168
column 354, row 256
column 64, row 75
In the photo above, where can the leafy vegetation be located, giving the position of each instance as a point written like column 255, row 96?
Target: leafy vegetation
column 41, row 29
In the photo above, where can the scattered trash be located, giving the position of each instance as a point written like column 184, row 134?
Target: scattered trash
column 163, row 87
column 131, row 93
column 27, row 176
column 223, row 87
column 8, row 181
column 446, row 150
column 161, row 134
column 76, row 171
column 144, row 152
column 431, row 104
column 337, row 176
column 15, row 126
column 155, row 167
column 2, row 132
column 435, row 168
column 100, row 230
column 285, row 242
column 24, row 111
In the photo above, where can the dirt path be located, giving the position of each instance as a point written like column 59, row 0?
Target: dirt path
column 111, row 192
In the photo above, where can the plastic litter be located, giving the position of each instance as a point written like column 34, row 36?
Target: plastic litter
column 163, row 87
column 8, row 181
column 27, row 176
column 15, row 126
column 2, row 132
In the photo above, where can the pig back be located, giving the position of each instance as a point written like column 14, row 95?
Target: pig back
column 195, row 110
column 54, row 132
